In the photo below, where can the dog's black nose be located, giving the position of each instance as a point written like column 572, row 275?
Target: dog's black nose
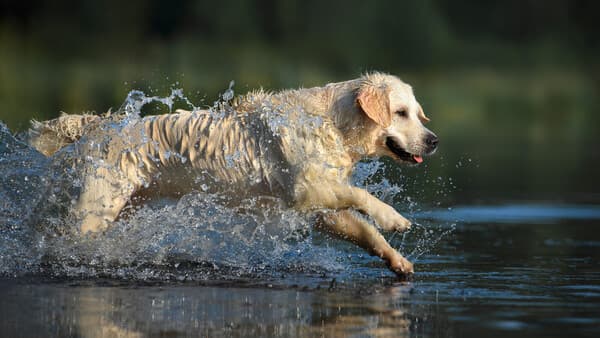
column 432, row 142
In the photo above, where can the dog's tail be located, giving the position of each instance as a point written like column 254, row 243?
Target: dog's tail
column 50, row 136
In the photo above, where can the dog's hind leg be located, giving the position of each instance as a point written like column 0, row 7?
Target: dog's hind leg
column 350, row 226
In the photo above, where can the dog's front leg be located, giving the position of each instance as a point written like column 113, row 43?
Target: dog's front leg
column 105, row 192
column 340, row 196
column 352, row 227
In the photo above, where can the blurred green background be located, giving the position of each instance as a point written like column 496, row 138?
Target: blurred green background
column 511, row 86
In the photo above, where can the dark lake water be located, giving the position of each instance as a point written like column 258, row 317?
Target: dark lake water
column 508, row 270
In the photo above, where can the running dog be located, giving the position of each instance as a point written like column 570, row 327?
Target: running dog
column 298, row 145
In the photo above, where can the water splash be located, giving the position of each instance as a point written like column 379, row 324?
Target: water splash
column 23, row 171
column 195, row 238
column 136, row 99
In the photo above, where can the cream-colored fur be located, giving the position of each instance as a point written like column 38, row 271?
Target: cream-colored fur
column 298, row 145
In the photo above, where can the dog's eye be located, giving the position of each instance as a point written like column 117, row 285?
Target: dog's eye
column 402, row 113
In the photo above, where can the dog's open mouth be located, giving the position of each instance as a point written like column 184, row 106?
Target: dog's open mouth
column 400, row 152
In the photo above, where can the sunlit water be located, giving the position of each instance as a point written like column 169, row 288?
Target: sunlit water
column 192, row 267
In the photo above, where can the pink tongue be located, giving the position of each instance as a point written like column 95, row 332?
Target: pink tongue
column 418, row 158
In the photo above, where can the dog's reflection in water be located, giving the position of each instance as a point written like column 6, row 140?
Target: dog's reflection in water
column 218, row 311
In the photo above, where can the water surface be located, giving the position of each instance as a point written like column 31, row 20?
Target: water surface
column 489, row 277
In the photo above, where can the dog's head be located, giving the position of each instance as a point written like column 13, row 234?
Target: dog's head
column 399, row 118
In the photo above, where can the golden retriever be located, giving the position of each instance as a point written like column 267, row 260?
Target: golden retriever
column 297, row 145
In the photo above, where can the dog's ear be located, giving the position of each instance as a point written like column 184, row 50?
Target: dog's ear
column 422, row 115
column 375, row 102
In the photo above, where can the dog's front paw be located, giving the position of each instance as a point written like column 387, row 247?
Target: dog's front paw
column 391, row 220
column 401, row 266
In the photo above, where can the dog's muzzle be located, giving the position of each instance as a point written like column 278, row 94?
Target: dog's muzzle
column 401, row 153
column 431, row 141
